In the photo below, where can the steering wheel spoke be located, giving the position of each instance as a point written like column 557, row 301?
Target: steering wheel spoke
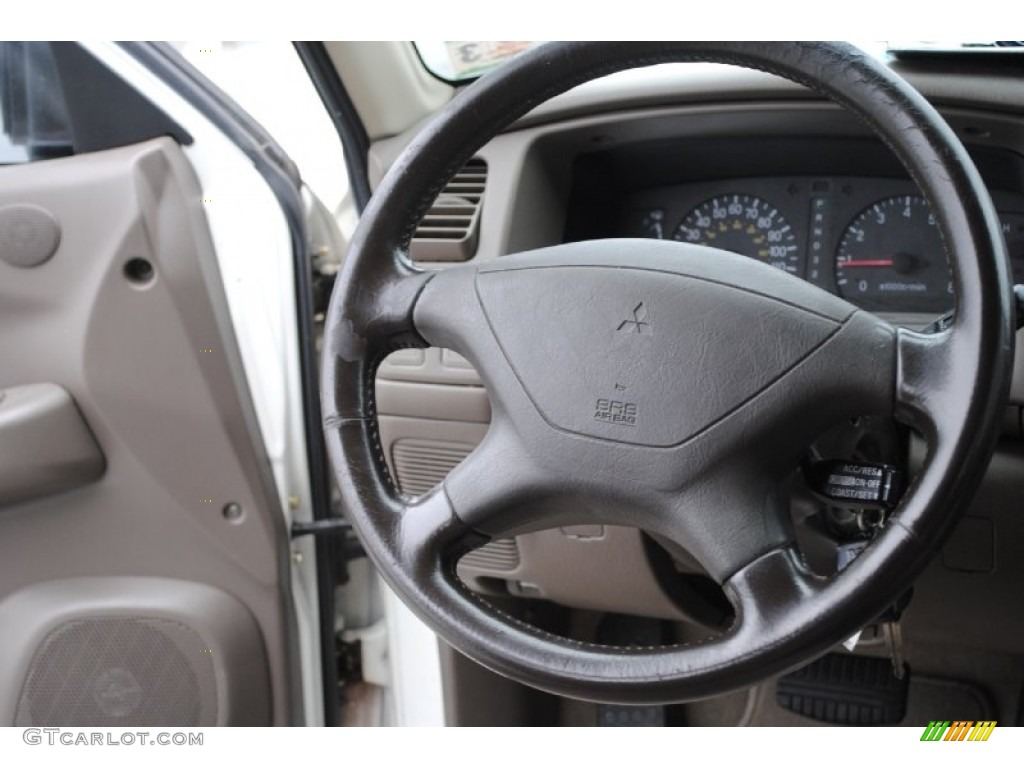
column 499, row 490
column 769, row 588
column 925, row 369
column 725, row 519
column 448, row 314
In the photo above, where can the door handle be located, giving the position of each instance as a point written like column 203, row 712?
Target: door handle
column 45, row 445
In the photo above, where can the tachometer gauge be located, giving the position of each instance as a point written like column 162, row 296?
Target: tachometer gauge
column 743, row 224
column 891, row 258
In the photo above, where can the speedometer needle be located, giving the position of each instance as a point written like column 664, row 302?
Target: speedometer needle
column 868, row 263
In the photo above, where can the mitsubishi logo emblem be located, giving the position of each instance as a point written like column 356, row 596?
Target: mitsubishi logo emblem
column 640, row 321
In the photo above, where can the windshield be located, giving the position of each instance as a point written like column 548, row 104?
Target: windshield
column 460, row 60
column 464, row 60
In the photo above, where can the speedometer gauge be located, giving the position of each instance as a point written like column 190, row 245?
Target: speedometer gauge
column 742, row 224
column 891, row 257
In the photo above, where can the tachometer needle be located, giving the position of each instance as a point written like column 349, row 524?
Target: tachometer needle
column 867, row 263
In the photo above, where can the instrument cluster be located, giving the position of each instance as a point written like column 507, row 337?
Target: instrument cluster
column 872, row 241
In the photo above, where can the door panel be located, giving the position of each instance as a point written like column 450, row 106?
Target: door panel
column 129, row 317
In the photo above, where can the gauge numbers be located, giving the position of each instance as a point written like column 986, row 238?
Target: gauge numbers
column 891, row 258
column 743, row 224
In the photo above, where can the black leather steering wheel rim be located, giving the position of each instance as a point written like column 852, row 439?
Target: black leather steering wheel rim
column 951, row 387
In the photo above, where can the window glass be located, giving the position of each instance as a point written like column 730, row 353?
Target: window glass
column 34, row 122
column 268, row 80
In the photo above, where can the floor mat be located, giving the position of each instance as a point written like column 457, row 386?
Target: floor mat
column 928, row 698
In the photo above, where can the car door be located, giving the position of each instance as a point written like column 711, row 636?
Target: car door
column 151, row 424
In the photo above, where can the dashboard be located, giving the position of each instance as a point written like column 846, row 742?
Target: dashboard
column 791, row 182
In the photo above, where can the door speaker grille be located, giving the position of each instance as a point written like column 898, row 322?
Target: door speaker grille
column 29, row 235
column 120, row 672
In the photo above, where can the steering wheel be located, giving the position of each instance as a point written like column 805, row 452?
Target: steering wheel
column 663, row 386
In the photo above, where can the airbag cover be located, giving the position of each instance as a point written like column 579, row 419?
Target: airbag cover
column 642, row 356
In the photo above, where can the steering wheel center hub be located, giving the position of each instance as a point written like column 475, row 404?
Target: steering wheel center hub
column 655, row 348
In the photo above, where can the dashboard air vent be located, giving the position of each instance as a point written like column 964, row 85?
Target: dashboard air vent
column 451, row 228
